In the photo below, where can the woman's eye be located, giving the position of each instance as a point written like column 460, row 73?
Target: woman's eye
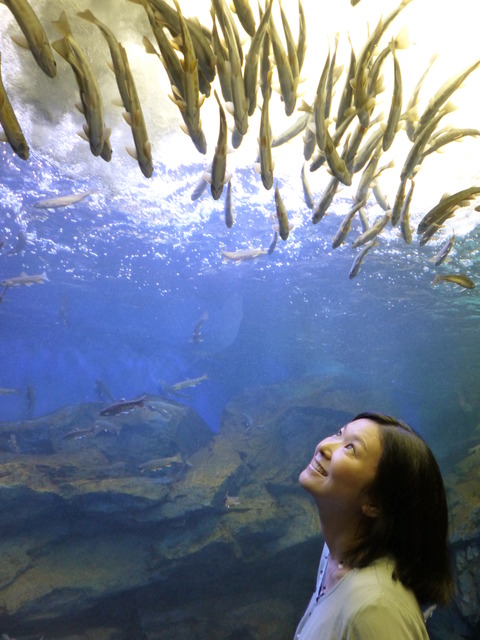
column 350, row 446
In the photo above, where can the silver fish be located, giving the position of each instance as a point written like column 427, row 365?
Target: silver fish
column 25, row 280
column 357, row 263
column 441, row 256
column 62, row 201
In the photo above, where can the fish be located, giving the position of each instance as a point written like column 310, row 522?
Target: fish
column 357, row 263
column 25, row 280
column 380, row 196
column 336, row 163
column 197, row 330
column 445, row 249
column 12, row 131
column 244, row 254
column 200, row 188
column 266, row 165
column 396, row 104
column 239, row 99
column 168, row 57
column 319, row 107
column 441, row 96
column 345, row 225
column 363, row 101
column 373, row 231
column 4, row 391
column 457, row 278
column 296, row 128
column 94, row 130
column 346, row 99
column 160, row 464
column 191, row 102
column 185, row 384
column 123, row 406
column 222, row 64
column 281, row 212
column 128, row 92
column 368, row 175
column 411, row 113
column 19, row 248
column 307, row 194
column 326, row 200
column 302, row 36
column 446, row 208
column 245, row 16
column 201, row 37
column 252, row 59
column 273, row 243
column 291, row 49
column 231, row 501
column 449, row 135
column 62, row 201
column 405, row 227
column 217, row 178
column 363, row 154
column 287, row 83
column 228, row 213
column 35, row 37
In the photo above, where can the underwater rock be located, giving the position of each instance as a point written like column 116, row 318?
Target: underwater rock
column 462, row 485
column 149, row 525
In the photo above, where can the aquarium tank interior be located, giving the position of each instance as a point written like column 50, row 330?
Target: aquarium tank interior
column 225, row 230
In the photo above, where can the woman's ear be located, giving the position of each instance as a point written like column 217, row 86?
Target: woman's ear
column 370, row 511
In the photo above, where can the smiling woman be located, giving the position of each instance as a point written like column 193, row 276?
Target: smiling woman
column 383, row 514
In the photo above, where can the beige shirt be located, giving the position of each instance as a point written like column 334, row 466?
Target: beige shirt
column 366, row 604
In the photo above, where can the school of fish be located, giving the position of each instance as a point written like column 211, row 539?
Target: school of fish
column 247, row 55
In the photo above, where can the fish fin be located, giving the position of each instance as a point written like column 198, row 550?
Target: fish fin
column 230, row 108
column 62, row 48
column 118, row 103
column 83, row 134
column 184, row 128
column 132, row 152
column 305, row 107
column 20, row 40
column 208, row 177
column 80, row 108
column 257, row 168
column 127, row 117
column 110, row 66
column 402, row 39
column 62, row 25
column 3, row 137
column 149, row 48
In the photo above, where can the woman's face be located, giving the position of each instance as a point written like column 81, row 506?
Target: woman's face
column 344, row 466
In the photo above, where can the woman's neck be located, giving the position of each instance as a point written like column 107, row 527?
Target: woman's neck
column 341, row 536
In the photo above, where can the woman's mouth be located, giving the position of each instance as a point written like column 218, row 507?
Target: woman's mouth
column 316, row 466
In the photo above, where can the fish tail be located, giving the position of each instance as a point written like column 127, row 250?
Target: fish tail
column 63, row 25
column 87, row 15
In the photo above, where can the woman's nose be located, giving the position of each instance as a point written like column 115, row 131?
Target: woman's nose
column 326, row 448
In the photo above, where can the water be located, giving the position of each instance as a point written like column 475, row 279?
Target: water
column 134, row 267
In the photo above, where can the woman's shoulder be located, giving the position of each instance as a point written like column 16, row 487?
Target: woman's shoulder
column 377, row 582
column 376, row 602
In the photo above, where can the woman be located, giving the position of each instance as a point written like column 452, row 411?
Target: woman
column 383, row 514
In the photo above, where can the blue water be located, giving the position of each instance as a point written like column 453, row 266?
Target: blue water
column 125, row 292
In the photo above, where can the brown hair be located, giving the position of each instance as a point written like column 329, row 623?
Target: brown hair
column 412, row 525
